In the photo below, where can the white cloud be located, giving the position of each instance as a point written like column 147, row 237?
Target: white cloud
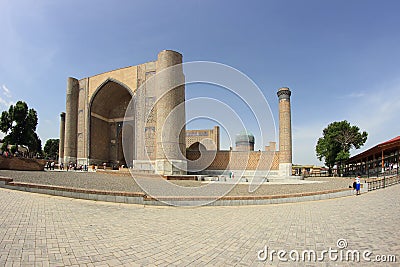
column 356, row 95
column 352, row 95
column 6, row 91
column 7, row 101
column 6, row 104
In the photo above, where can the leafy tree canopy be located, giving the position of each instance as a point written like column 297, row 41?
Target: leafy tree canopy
column 337, row 140
column 51, row 148
column 19, row 124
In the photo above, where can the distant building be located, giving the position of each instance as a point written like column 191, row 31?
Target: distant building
column 380, row 159
column 209, row 138
column 309, row 170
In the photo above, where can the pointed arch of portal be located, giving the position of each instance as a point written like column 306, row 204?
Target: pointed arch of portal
column 107, row 124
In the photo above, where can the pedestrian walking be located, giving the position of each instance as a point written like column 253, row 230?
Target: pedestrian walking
column 358, row 185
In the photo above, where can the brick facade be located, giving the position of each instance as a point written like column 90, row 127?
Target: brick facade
column 237, row 160
column 207, row 137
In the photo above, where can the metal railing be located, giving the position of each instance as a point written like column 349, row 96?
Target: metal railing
column 382, row 182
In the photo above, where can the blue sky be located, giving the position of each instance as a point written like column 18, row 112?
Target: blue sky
column 340, row 58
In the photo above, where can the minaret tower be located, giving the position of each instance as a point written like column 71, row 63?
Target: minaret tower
column 62, row 138
column 71, row 121
column 285, row 133
column 170, row 136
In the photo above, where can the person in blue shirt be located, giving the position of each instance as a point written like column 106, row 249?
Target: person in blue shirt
column 358, row 185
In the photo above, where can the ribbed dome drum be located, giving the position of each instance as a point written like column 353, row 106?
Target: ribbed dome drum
column 244, row 141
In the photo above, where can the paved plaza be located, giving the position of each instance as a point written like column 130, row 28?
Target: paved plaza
column 44, row 230
column 124, row 182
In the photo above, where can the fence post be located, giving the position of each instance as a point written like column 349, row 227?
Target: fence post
column 384, row 180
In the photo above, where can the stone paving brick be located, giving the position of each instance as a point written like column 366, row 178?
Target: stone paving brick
column 53, row 231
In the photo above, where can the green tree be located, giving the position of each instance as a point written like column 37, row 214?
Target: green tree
column 337, row 140
column 51, row 148
column 35, row 144
column 19, row 124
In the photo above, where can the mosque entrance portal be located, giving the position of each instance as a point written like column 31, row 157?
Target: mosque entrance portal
column 108, row 123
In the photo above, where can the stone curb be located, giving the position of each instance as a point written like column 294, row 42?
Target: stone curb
column 90, row 194
column 142, row 198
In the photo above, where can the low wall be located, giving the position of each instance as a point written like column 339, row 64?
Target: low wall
column 143, row 199
column 242, row 173
column 181, row 177
column 247, row 200
column 21, row 164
